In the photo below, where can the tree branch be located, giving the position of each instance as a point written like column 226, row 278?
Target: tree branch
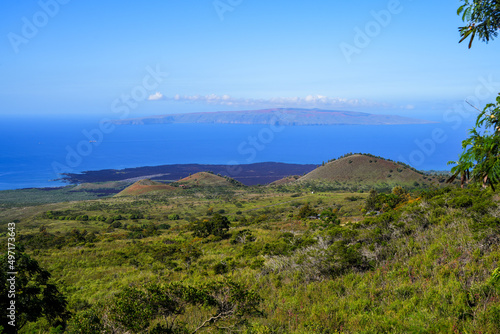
column 473, row 106
column 215, row 318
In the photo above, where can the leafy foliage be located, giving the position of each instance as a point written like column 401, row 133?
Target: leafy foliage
column 482, row 18
column 35, row 295
column 480, row 160
column 155, row 308
column 384, row 202
column 306, row 211
column 217, row 225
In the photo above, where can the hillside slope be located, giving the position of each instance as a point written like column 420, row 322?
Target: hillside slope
column 424, row 267
column 366, row 169
column 205, row 179
column 143, row 187
column 285, row 180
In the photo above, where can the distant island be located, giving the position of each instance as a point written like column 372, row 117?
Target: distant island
column 277, row 116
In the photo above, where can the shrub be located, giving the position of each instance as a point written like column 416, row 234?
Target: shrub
column 306, row 211
column 221, row 268
column 86, row 322
column 461, row 202
column 243, row 237
column 217, row 225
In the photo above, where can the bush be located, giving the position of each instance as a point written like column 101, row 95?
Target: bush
column 217, row 226
column 306, row 211
column 221, row 268
column 116, row 224
column 461, row 202
column 174, row 216
column 86, row 322
column 243, row 237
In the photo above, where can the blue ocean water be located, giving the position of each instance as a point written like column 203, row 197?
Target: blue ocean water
column 33, row 151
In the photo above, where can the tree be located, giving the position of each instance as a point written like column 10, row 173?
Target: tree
column 371, row 202
column 461, row 169
column 87, row 321
column 134, row 309
column 217, row 225
column 329, row 217
column 156, row 308
column 482, row 18
column 306, row 211
column 35, row 296
column 480, row 160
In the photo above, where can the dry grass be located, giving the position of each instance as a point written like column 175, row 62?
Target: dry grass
column 367, row 169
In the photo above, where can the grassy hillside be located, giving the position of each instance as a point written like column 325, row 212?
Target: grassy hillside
column 423, row 265
column 205, row 179
column 367, row 170
column 142, row 187
column 285, row 180
column 101, row 185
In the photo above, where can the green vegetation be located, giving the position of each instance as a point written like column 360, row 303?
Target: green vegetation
column 156, row 308
column 480, row 160
column 365, row 170
column 482, row 18
column 313, row 255
column 259, row 260
column 35, row 196
column 35, row 296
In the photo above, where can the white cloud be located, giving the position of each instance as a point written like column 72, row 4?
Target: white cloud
column 156, row 96
column 310, row 101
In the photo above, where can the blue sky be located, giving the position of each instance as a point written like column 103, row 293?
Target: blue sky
column 242, row 54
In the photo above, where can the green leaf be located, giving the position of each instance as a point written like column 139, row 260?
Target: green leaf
column 472, row 39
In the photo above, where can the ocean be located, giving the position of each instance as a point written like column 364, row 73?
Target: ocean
column 33, row 151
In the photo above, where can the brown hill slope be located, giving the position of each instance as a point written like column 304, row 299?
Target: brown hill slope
column 205, row 179
column 101, row 185
column 366, row 169
column 143, row 187
column 285, row 180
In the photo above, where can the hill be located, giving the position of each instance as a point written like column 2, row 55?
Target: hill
column 112, row 185
column 285, row 180
column 367, row 169
column 206, row 179
column 276, row 116
column 143, row 187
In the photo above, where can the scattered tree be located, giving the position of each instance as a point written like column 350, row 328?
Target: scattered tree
column 217, row 225
column 35, row 296
column 156, row 308
column 480, row 160
column 306, row 211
